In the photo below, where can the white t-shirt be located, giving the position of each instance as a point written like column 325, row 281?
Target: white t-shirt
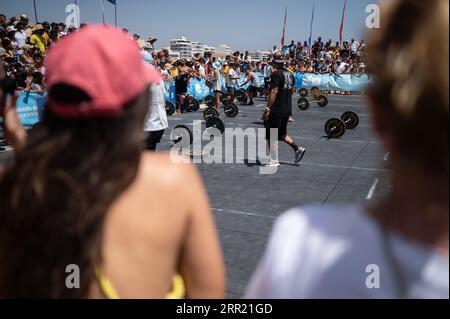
column 266, row 71
column 354, row 47
column 156, row 118
column 323, row 251
column 21, row 39
column 201, row 70
column 341, row 68
column 230, row 82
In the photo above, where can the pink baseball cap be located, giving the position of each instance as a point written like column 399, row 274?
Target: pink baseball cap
column 103, row 62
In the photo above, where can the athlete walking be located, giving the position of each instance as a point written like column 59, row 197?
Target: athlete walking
column 276, row 114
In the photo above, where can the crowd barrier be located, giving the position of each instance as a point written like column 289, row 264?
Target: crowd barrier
column 344, row 82
column 30, row 105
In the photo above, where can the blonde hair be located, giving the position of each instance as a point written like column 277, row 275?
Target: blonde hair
column 408, row 59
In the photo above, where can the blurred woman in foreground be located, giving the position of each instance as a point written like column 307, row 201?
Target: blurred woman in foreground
column 81, row 193
column 399, row 247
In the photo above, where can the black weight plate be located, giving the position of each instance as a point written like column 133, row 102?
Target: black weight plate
column 231, row 110
column 322, row 100
column 314, row 90
column 303, row 104
column 181, row 133
column 209, row 101
column 334, row 128
column 170, row 108
column 350, row 119
column 210, row 112
column 224, row 98
column 194, row 105
column 215, row 122
column 303, row 92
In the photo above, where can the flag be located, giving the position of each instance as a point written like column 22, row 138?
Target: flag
column 284, row 28
column 112, row 1
column 310, row 29
column 342, row 23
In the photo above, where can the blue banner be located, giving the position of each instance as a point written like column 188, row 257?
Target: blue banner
column 29, row 107
column 169, row 92
column 343, row 82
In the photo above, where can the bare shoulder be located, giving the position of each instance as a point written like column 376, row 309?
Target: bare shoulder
column 164, row 168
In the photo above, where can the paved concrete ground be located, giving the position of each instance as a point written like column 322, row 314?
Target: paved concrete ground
column 245, row 203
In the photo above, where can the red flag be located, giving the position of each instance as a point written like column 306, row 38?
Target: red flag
column 284, row 28
column 342, row 23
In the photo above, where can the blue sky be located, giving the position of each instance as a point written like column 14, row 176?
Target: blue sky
column 248, row 24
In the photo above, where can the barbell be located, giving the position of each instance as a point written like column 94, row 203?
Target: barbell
column 230, row 110
column 335, row 128
column 321, row 100
column 170, row 108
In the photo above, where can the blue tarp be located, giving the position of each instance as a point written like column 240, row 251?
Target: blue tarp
column 29, row 107
column 169, row 92
column 344, row 82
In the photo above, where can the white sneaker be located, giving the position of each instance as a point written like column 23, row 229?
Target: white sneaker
column 271, row 163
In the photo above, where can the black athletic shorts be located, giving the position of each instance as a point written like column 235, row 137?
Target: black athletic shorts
column 253, row 89
column 279, row 123
column 153, row 138
column 231, row 90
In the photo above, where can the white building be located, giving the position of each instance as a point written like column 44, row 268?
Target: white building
column 258, row 55
column 198, row 48
column 225, row 49
column 210, row 49
column 183, row 46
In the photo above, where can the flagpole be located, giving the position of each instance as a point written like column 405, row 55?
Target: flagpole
column 341, row 29
column 35, row 11
column 115, row 14
column 284, row 29
column 310, row 29
column 103, row 11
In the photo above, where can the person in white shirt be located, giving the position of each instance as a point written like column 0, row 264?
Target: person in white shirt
column 341, row 68
column 354, row 48
column 267, row 72
column 156, row 120
column 20, row 36
column 232, row 82
column 398, row 247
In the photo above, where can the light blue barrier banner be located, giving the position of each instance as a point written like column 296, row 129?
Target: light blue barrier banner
column 198, row 89
column 29, row 107
column 169, row 92
column 343, row 82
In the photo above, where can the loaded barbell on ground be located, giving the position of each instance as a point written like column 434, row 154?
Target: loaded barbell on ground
column 321, row 100
column 170, row 108
column 183, row 133
column 230, row 110
column 335, row 128
column 303, row 92
column 191, row 105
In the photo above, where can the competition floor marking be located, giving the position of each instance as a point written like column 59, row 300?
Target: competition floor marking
column 372, row 189
column 221, row 210
column 252, row 160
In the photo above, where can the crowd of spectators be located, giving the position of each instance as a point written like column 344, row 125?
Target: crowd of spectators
column 23, row 47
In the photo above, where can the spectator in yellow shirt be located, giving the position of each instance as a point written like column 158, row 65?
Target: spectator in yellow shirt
column 37, row 39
